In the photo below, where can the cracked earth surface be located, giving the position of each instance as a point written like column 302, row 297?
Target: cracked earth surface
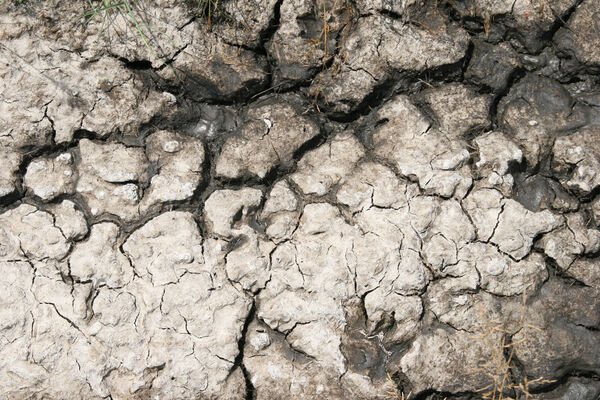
column 247, row 212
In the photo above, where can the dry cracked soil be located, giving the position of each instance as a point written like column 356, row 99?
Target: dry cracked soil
column 304, row 199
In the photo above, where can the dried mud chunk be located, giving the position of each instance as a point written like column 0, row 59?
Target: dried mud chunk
column 464, row 309
column 51, row 367
column 269, row 137
column 281, row 226
column 166, row 248
column 376, row 48
column 221, row 72
column 448, row 361
column 536, row 110
column 507, row 223
column 113, row 162
column 10, row 160
column 105, row 98
column 404, row 115
column 55, row 91
column 372, row 184
column 49, row 177
column 179, row 161
column 250, row 264
column 408, row 49
column 280, row 213
column 29, row 232
column 501, row 275
column 209, row 64
column 563, row 321
column 566, row 244
column 450, row 230
column 317, row 258
column 69, row 300
column 282, row 310
column 104, row 197
column 275, row 368
column 517, row 227
column 325, row 268
column 496, row 154
column 22, row 113
column 25, row 97
column 324, row 167
column 395, row 317
column 223, row 205
column 586, row 271
column 146, row 325
column 578, row 157
column 196, row 339
column 99, row 260
column 452, row 222
column 458, row 109
column 164, row 16
column 244, row 22
column 492, row 65
column 320, row 341
column 406, row 139
column 391, row 247
column 529, row 20
column 107, row 173
column 70, row 220
column 326, row 263
column 16, row 298
column 194, row 301
column 298, row 46
column 581, row 35
column 281, row 198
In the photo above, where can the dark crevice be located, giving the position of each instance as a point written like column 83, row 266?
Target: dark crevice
column 372, row 101
column 136, row 65
column 274, row 23
column 432, row 394
column 513, row 78
column 393, row 15
column 239, row 359
column 84, row 134
column 555, row 384
column 559, row 22
column 9, row 199
column 558, row 272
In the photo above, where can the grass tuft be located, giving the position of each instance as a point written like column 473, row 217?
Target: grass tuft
column 208, row 10
column 499, row 367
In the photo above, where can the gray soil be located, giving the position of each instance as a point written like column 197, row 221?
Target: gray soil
column 243, row 209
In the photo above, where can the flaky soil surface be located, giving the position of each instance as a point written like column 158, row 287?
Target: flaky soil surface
column 304, row 199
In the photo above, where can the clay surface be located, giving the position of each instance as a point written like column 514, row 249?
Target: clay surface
column 304, row 199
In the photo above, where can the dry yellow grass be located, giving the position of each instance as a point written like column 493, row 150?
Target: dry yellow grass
column 499, row 366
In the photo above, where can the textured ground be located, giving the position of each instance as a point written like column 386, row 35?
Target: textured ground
column 250, row 212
